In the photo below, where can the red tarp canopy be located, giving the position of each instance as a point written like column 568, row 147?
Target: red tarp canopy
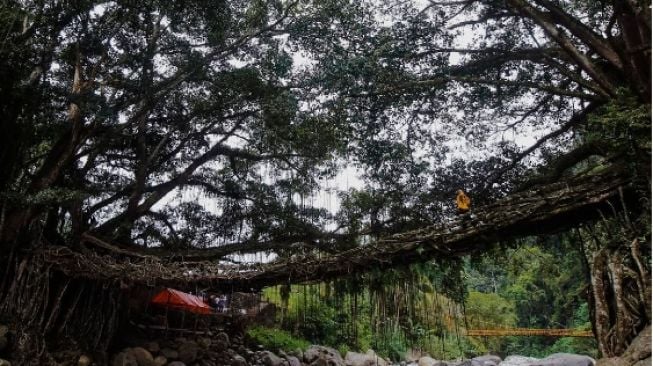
column 181, row 301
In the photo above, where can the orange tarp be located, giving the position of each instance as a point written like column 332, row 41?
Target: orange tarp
column 181, row 301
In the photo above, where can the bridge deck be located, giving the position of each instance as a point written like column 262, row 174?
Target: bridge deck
column 529, row 332
column 541, row 210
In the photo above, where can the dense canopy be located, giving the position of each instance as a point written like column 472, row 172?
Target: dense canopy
column 168, row 129
column 197, row 124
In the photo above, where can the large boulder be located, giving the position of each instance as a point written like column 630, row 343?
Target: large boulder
column 487, row 360
column 143, row 357
column 564, row 359
column 124, row 359
column 222, row 340
column 413, row 355
column 238, row 360
column 189, row 352
column 378, row 361
column 270, row 359
column 222, row 337
column 293, row 361
column 357, row 359
column 320, row 355
column 364, row 359
column 428, row 361
column 517, row 361
column 84, row 360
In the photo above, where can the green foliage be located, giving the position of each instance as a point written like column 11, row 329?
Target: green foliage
column 531, row 286
column 489, row 310
column 622, row 122
column 276, row 339
column 392, row 345
column 527, row 284
column 343, row 349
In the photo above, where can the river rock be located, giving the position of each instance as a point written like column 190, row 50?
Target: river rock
column 160, row 360
column 270, row 359
column 176, row 363
column 317, row 355
column 238, row 360
column 204, row 342
column 293, row 361
column 153, row 347
column 428, row 361
column 3, row 343
column 564, row 359
column 221, row 341
column 517, row 361
column 124, row 359
column 188, row 352
column 84, row 360
column 143, row 357
column 4, row 330
column 413, row 355
column 364, row 359
column 4, row 362
column 357, row 359
column 169, row 353
column 487, row 360
column 223, row 337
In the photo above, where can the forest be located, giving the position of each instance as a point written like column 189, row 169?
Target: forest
column 310, row 151
column 423, row 314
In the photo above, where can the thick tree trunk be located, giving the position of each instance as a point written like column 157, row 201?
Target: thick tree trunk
column 621, row 290
column 53, row 314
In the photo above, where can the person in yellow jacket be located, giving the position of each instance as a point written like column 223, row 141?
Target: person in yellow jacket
column 463, row 202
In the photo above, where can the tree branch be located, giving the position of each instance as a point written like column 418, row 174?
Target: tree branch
column 573, row 121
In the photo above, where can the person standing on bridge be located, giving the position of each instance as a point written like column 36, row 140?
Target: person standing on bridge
column 463, row 202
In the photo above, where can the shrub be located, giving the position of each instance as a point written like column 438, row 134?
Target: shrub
column 275, row 339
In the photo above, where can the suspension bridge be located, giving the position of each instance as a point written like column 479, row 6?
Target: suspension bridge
column 504, row 332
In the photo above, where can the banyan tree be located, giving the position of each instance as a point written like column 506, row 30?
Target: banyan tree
column 143, row 141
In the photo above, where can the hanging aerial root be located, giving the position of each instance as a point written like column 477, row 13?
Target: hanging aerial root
column 40, row 303
column 541, row 210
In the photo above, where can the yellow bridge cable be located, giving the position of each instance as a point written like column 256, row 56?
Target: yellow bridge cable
column 529, row 332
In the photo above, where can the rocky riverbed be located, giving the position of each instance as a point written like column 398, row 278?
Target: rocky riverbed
column 222, row 350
